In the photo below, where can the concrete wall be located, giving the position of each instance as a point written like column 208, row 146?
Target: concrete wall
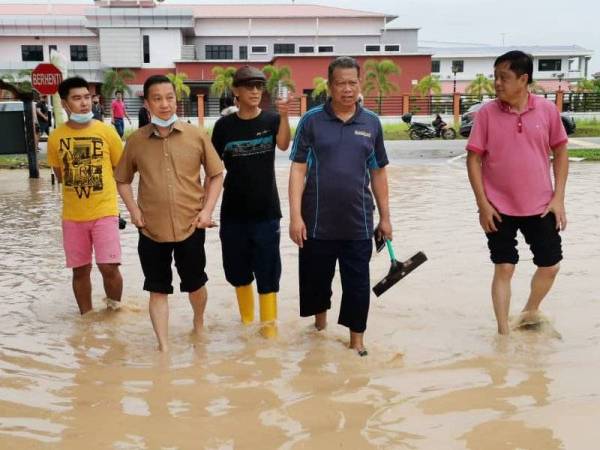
column 121, row 47
column 165, row 47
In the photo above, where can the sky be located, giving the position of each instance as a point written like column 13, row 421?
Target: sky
column 494, row 22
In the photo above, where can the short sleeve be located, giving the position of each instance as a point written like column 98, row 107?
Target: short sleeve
column 53, row 143
column 558, row 134
column 378, row 158
column 127, row 166
column 302, row 141
column 477, row 142
column 115, row 145
column 210, row 159
column 217, row 138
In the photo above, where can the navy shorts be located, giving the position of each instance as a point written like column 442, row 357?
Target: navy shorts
column 316, row 270
column 540, row 233
column 250, row 249
column 190, row 260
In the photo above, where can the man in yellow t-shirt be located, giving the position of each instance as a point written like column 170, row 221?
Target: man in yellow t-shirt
column 83, row 153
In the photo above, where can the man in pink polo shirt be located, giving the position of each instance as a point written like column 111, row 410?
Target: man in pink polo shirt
column 118, row 112
column 509, row 169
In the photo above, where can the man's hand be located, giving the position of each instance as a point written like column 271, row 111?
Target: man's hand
column 487, row 214
column 384, row 229
column 137, row 218
column 557, row 206
column 204, row 220
column 298, row 231
column 283, row 106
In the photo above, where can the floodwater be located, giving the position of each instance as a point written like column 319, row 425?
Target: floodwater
column 437, row 377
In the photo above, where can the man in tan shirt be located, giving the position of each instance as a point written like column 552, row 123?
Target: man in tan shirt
column 172, row 209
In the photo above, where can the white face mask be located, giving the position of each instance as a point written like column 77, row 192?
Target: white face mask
column 164, row 123
column 81, row 118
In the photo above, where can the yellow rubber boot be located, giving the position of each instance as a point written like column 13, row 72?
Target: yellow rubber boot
column 268, row 314
column 245, row 298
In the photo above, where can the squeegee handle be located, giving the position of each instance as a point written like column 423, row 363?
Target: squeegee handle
column 388, row 243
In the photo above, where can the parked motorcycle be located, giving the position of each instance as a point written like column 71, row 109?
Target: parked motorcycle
column 419, row 130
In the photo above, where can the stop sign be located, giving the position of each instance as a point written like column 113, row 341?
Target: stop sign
column 46, row 78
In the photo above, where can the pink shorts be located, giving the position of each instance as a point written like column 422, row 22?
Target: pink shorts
column 101, row 235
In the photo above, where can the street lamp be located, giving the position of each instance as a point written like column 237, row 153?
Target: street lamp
column 560, row 77
column 454, row 81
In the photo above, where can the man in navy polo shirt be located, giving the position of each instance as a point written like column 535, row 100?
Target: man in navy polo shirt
column 338, row 151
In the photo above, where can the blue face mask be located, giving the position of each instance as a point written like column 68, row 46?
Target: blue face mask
column 164, row 123
column 81, row 118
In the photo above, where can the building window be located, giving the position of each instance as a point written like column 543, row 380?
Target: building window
column 50, row 48
column 219, row 51
column 325, row 48
column 435, row 66
column 392, row 48
column 458, row 66
column 549, row 65
column 146, row 48
column 287, row 49
column 32, row 52
column 574, row 65
column 79, row 53
column 372, row 48
column 261, row 49
column 243, row 52
column 306, row 49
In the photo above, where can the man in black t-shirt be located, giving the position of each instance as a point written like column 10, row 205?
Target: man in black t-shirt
column 250, row 211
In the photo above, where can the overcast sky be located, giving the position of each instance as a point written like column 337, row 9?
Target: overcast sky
column 518, row 22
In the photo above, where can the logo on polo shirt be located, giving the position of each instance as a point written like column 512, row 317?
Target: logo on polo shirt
column 362, row 133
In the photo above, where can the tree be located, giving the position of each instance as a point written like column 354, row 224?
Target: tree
column 274, row 75
column 480, row 85
column 116, row 80
column 584, row 85
column 223, row 81
column 22, row 80
column 320, row 87
column 428, row 85
column 178, row 80
column 377, row 73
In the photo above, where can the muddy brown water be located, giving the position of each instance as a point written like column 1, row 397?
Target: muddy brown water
column 436, row 377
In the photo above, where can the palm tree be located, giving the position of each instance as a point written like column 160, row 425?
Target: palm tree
column 223, row 81
column 480, row 85
column 178, row 80
column 116, row 80
column 320, row 88
column 377, row 73
column 274, row 75
column 428, row 85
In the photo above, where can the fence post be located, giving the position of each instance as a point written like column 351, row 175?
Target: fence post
column 201, row 110
column 405, row 103
column 560, row 99
column 456, row 107
column 303, row 103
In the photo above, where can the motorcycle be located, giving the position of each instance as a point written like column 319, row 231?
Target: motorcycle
column 419, row 130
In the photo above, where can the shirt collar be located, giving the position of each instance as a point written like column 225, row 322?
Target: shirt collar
column 151, row 129
column 505, row 107
column 356, row 118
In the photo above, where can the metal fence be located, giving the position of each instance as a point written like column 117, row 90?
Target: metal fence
column 581, row 102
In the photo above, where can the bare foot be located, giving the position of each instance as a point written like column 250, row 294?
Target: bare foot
column 321, row 321
column 198, row 327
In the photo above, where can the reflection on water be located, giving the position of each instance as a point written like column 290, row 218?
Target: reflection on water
column 437, row 377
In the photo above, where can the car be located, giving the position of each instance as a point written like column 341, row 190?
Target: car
column 466, row 120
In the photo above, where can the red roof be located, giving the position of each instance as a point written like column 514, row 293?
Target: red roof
column 201, row 11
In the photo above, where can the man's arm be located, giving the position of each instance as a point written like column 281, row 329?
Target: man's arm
column 379, row 185
column 560, row 167
column 213, row 186
column 283, row 133
column 126, row 193
column 296, row 188
column 487, row 213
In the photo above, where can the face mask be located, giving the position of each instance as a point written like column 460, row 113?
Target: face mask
column 164, row 123
column 81, row 118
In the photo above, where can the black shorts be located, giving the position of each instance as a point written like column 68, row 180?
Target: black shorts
column 251, row 249
column 317, row 268
column 540, row 233
column 190, row 261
